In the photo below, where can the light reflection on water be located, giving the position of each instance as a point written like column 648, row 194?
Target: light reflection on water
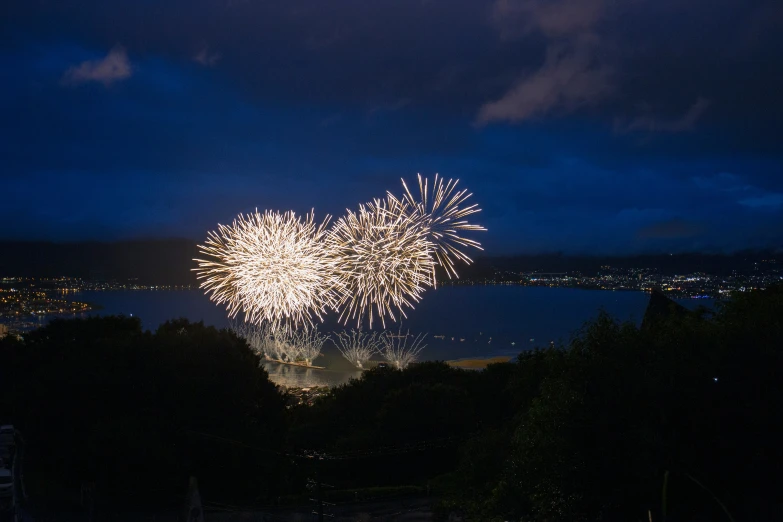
column 337, row 371
column 299, row 377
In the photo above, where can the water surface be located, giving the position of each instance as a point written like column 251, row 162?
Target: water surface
column 461, row 321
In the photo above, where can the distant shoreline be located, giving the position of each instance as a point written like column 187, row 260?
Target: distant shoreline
column 669, row 293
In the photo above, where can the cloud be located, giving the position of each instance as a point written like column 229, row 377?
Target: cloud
column 554, row 18
column 114, row 67
column 565, row 82
column 207, row 58
column 723, row 182
column 770, row 201
column 686, row 122
column 741, row 192
column 763, row 24
column 671, row 229
column 573, row 74
column 390, row 107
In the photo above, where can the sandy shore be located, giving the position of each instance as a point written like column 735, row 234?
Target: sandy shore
column 478, row 364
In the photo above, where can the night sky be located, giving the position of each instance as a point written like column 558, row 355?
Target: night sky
column 581, row 126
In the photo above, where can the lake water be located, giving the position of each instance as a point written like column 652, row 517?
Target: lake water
column 475, row 321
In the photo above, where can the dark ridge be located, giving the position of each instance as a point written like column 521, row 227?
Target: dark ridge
column 661, row 308
column 685, row 263
column 161, row 262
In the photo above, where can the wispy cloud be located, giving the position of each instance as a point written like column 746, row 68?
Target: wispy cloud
column 389, row 107
column 574, row 73
column 566, row 81
column 723, row 182
column 769, row 201
column 686, row 122
column 206, row 57
column 554, row 18
column 114, row 67
column 741, row 192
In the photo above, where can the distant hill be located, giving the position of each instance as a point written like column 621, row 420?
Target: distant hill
column 170, row 262
column 149, row 261
column 718, row 264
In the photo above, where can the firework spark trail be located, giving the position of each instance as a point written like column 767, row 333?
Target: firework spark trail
column 306, row 344
column 282, row 345
column 245, row 331
column 440, row 212
column 274, row 267
column 397, row 349
column 384, row 260
column 358, row 346
column 258, row 337
column 278, row 347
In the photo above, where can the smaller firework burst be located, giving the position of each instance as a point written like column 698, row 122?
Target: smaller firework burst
column 306, row 344
column 258, row 337
column 358, row 346
column 383, row 260
column 242, row 330
column 442, row 212
column 281, row 345
column 402, row 348
column 278, row 347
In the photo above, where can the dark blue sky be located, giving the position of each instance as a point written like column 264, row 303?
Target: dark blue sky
column 582, row 126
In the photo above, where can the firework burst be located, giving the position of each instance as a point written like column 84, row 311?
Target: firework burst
column 274, row 267
column 383, row 259
column 257, row 336
column 306, row 344
column 441, row 211
column 401, row 349
column 358, row 346
column 284, row 271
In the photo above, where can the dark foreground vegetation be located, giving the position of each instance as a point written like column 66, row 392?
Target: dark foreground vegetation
column 681, row 419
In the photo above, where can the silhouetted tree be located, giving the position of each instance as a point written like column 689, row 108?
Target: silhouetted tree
column 693, row 397
column 101, row 401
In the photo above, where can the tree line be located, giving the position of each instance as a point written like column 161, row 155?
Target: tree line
column 679, row 419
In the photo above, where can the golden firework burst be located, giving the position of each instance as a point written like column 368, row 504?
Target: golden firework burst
column 441, row 211
column 384, row 261
column 274, row 267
